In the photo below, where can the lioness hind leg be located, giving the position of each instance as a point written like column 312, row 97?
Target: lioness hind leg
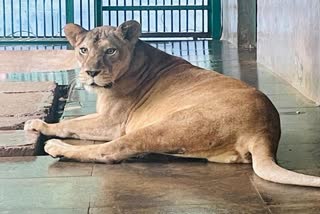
column 172, row 136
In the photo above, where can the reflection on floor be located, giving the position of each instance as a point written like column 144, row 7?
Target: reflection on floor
column 161, row 184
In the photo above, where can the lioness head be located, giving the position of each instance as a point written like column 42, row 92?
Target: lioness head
column 104, row 53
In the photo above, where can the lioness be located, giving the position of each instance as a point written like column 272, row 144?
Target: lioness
column 149, row 101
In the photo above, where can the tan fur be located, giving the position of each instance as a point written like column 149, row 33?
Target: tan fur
column 163, row 104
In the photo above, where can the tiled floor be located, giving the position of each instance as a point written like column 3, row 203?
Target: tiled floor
column 160, row 184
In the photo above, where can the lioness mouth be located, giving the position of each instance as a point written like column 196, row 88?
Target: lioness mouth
column 109, row 85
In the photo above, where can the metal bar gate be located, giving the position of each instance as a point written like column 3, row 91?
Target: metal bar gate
column 42, row 21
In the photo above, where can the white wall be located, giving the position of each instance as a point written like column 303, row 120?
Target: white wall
column 230, row 21
column 288, row 42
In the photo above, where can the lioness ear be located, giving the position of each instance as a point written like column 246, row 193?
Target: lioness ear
column 74, row 33
column 130, row 30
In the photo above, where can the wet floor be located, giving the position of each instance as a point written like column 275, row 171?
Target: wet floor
column 160, row 184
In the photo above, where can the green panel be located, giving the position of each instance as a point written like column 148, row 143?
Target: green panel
column 165, row 20
column 155, row 7
column 69, row 11
column 21, row 41
column 214, row 16
column 98, row 13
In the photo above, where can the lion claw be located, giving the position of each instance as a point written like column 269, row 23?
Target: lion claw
column 56, row 148
column 34, row 125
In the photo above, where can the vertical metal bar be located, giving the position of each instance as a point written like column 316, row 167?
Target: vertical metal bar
column 132, row 12
column 195, row 18
column 187, row 15
column 98, row 13
column 44, row 18
column 52, row 21
column 164, row 18
column 4, row 17
column 196, row 48
column 20, row 19
column 148, row 17
column 69, row 11
column 172, row 48
column 89, row 15
column 81, row 12
column 203, row 48
column 125, row 12
column 214, row 16
column 109, row 13
column 117, row 15
column 171, row 17
column 140, row 16
column 12, row 25
column 28, row 17
column 157, row 17
column 188, row 49
column 179, row 20
column 202, row 13
column 60, row 18
column 36, row 10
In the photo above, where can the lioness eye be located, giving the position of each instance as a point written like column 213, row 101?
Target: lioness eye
column 83, row 50
column 110, row 51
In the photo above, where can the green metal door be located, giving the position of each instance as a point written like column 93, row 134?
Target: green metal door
column 42, row 21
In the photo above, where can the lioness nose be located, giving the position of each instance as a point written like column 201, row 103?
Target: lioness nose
column 93, row 73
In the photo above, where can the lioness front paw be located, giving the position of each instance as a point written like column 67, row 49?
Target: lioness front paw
column 34, row 125
column 56, row 148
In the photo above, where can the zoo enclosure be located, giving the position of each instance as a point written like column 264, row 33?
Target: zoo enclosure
column 42, row 21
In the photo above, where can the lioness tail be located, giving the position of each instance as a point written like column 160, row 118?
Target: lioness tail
column 265, row 167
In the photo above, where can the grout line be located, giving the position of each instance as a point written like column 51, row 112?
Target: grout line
column 269, row 210
column 256, row 188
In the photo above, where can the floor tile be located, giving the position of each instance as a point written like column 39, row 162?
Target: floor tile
column 148, row 185
column 47, row 193
column 280, row 194
column 285, row 101
column 189, row 209
column 301, row 116
column 299, row 156
column 274, row 89
column 79, row 111
column 45, row 211
column 41, row 167
column 293, row 209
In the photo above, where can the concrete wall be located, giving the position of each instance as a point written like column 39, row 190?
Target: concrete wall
column 288, row 42
column 247, row 25
column 239, row 22
column 230, row 21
